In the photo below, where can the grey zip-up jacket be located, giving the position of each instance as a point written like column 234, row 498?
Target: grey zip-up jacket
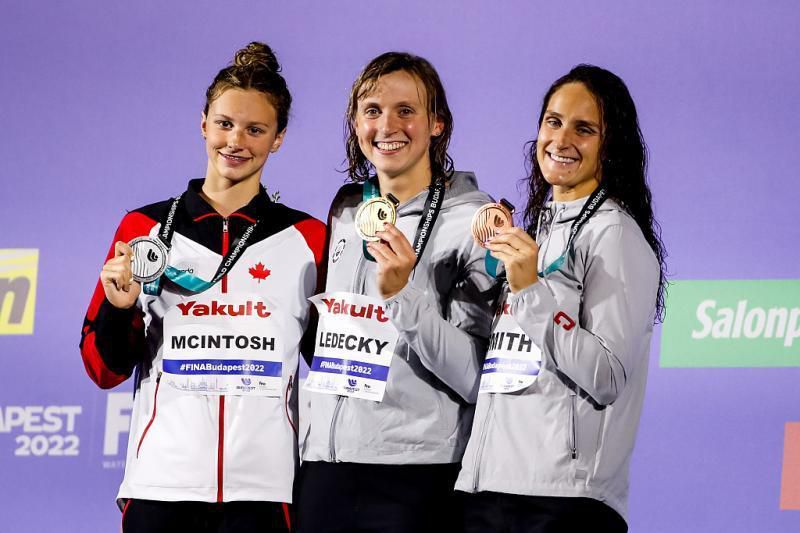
column 443, row 319
column 571, row 433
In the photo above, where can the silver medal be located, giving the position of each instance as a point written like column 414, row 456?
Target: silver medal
column 149, row 259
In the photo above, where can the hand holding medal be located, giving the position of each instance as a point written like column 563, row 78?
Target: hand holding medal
column 117, row 278
column 493, row 228
column 489, row 219
column 385, row 243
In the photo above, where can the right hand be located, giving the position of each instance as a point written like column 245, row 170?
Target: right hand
column 117, row 278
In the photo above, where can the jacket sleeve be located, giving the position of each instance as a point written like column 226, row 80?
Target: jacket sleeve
column 450, row 342
column 112, row 340
column 316, row 238
column 595, row 337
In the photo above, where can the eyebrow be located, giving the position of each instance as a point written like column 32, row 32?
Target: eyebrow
column 579, row 122
column 369, row 100
column 226, row 117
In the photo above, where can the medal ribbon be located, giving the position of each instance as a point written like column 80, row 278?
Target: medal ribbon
column 430, row 212
column 591, row 207
column 188, row 281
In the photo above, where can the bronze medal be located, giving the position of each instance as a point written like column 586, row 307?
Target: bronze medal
column 489, row 218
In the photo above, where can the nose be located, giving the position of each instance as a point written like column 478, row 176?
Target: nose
column 387, row 123
column 562, row 138
column 235, row 139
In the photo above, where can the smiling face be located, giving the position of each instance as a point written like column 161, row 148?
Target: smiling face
column 569, row 142
column 240, row 131
column 394, row 128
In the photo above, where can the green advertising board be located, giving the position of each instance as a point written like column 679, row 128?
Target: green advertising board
column 714, row 323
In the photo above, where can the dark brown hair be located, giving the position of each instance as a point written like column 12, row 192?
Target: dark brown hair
column 623, row 156
column 254, row 67
column 359, row 168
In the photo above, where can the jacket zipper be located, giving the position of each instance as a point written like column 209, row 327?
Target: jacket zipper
column 286, row 404
column 152, row 417
column 221, row 430
column 332, row 437
column 573, row 445
column 481, row 442
column 358, row 281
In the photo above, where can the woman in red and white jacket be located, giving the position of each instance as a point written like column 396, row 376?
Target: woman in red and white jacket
column 214, row 342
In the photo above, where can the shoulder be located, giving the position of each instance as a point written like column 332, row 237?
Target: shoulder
column 312, row 230
column 140, row 221
column 612, row 232
column 462, row 193
column 349, row 195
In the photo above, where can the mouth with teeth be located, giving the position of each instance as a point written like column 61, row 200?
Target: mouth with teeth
column 561, row 159
column 234, row 159
column 389, row 146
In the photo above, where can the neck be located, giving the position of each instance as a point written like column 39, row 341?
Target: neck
column 567, row 194
column 227, row 197
column 404, row 187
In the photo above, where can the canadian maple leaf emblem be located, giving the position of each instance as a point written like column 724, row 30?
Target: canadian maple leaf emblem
column 259, row 272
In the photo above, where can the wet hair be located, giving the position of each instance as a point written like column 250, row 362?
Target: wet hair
column 359, row 168
column 254, row 67
column 623, row 160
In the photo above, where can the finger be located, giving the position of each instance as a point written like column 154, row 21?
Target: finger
column 120, row 273
column 396, row 240
column 505, row 248
column 502, row 256
column 122, row 248
column 112, row 279
column 518, row 239
column 381, row 252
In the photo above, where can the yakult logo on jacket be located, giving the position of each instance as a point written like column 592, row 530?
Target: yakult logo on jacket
column 216, row 308
column 342, row 307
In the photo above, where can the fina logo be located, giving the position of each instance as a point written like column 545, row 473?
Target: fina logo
column 246, row 381
column 352, row 382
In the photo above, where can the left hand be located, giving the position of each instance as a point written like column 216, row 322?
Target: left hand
column 395, row 258
column 520, row 255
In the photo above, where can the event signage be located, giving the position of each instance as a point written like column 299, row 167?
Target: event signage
column 715, row 323
column 18, row 271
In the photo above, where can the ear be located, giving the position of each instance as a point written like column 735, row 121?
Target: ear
column 438, row 127
column 203, row 120
column 278, row 141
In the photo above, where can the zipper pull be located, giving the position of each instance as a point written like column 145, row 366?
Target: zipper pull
column 224, row 225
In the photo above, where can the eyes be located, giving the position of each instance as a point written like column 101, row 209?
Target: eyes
column 228, row 125
column 373, row 111
column 581, row 128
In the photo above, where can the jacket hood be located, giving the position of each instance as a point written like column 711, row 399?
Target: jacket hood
column 561, row 212
column 461, row 188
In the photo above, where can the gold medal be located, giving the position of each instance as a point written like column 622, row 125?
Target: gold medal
column 373, row 214
column 489, row 218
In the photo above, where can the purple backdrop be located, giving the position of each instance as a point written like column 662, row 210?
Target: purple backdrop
column 101, row 107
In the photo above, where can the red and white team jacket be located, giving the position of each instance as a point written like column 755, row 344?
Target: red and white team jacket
column 211, row 448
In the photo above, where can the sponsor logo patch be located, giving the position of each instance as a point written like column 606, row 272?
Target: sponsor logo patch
column 732, row 324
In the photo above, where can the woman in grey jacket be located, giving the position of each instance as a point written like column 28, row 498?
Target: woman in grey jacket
column 564, row 378
column 391, row 408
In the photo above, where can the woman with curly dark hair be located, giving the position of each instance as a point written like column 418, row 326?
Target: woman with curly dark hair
column 564, row 377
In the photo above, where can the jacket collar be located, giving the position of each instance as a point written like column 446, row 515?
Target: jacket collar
column 196, row 205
